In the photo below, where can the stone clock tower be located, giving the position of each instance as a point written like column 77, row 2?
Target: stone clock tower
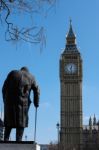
column 71, row 95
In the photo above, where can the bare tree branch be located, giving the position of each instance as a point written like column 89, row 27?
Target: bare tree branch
column 17, row 32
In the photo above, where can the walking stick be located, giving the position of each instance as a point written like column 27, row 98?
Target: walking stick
column 35, row 124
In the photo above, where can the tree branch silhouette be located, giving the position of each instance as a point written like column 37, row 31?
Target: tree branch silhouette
column 33, row 34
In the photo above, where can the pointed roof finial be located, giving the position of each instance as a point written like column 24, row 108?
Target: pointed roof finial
column 71, row 39
column 70, row 21
column 94, row 120
column 70, row 33
column 90, row 121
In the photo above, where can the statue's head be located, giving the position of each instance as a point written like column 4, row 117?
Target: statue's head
column 24, row 69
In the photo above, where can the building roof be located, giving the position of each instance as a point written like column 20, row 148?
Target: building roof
column 93, row 127
column 71, row 46
column 70, row 33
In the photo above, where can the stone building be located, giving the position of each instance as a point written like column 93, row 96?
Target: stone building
column 73, row 134
column 1, row 130
column 91, row 135
column 71, row 95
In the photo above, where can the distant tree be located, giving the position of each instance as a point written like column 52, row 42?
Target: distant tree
column 17, row 14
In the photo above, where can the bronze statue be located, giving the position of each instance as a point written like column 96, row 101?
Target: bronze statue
column 16, row 96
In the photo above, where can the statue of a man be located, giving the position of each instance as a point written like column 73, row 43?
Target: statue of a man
column 16, row 96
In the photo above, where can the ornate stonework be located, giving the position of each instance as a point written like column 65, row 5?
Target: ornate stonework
column 71, row 95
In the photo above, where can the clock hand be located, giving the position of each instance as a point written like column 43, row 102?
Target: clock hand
column 71, row 68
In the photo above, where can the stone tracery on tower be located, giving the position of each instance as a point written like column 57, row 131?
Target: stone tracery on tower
column 73, row 134
column 71, row 95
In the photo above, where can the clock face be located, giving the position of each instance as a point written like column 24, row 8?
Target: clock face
column 70, row 68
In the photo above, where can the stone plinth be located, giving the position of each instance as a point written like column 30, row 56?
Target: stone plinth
column 13, row 145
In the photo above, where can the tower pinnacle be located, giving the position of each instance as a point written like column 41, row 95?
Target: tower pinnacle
column 71, row 40
column 70, row 34
column 90, row 122
column 70, row 21
column 94, row 120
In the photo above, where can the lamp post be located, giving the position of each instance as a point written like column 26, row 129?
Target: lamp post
column 58, row 126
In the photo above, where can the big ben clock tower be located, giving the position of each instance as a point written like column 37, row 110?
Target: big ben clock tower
column 71, row 95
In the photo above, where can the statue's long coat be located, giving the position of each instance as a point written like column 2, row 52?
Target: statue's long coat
column 16, row 96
